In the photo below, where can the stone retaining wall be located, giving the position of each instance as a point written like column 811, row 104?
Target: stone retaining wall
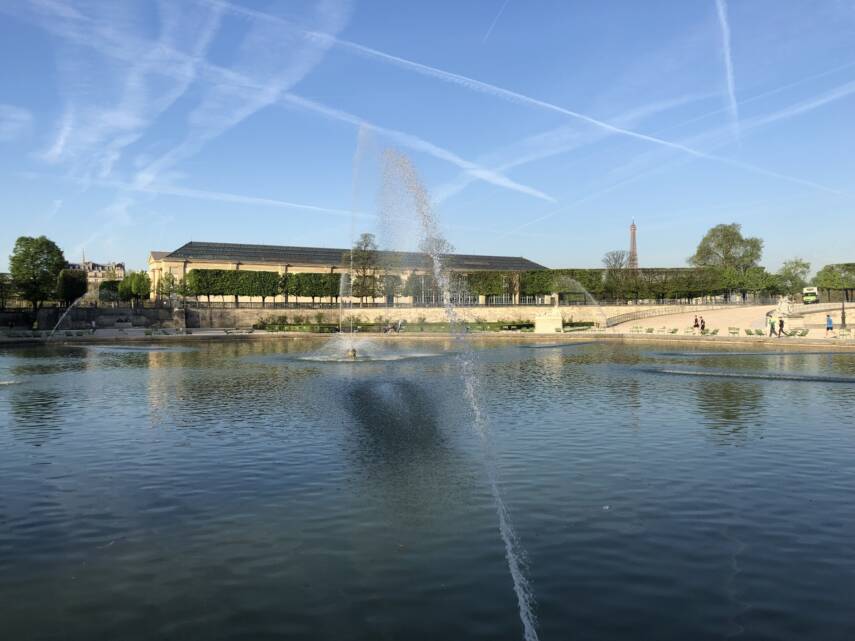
column 247, row 317
column 104, row 317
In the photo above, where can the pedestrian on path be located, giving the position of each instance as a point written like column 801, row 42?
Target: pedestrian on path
column 703, row 325
column 697, row 325
column 829, row 325
column 771, row 327
column 780, row 327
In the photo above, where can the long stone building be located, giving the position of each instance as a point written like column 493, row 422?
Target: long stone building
column 285, row 259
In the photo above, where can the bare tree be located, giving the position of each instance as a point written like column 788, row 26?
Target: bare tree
column 616, row 263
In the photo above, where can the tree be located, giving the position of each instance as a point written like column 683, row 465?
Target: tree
column 724, row 246
column 261, row 284
column 536, row 283
column 364, row 259
column 5, row 289
column 393, row 285
column 758, row 280
column 108, row 291
column 71, row 284
column 793, row 275
column 727, row 252
column 287, row 286
column 616, row 262
column 840, row 277
column 34, row 265
column 487, row 283
column 167, row 285
column 135, row 287
column 204, row 282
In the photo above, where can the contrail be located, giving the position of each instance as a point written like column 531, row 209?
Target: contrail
column 721, row 6
column 502, row 93
column 495, row 20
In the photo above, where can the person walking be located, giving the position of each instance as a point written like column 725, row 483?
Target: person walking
column 703, row 325
column 780, row 327
column 697, row 325
column 829, row 325
column 771, row 327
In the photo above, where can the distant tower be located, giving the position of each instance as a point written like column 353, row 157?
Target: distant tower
column 633, row 247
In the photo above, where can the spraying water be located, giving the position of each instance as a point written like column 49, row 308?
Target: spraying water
column 62, row 318
column 567, row 285
column 399, row 172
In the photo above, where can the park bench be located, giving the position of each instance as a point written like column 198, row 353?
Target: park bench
column 733, row 331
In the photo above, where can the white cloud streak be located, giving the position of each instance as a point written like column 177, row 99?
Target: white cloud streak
column 506, row 94
column 273, row 59
column 721, row 10
column 558, row 141
column 225, row 197
column 495, row 20
column 232, row 95
column 715, row 138
column 103, row 119
column 415, row 143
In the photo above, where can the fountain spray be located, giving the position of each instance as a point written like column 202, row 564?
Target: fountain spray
column 398, row 170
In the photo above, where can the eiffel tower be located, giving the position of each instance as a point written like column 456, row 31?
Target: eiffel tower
column 633, row 247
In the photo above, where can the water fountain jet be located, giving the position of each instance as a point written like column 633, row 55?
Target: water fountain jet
column 399, row 172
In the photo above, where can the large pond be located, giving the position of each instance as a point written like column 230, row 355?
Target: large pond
column 237, row 491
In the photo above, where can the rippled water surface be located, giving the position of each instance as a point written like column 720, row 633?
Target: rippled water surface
column 237, row 491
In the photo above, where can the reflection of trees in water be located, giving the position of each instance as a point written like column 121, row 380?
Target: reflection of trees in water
column 217, row 398
column 733, row 411
column 400, row 446
column 37, row 415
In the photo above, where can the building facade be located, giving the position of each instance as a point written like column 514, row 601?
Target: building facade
column 97, row 273
column 291, row 260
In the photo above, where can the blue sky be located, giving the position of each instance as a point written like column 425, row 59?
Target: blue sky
column 540, row 128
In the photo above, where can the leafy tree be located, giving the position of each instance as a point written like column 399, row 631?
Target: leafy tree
column 108, row 291
column 71, row 284
column 333, row 284
column 313, row 285
column 5, row 289
column 204, row 282
column 487, row 283
column 793, row 275
column 724, row 246
column 135, row 286
column 287, row 286
column 34, row 265
column 839, row 277
column 729, row 254
column 393, row 285
column 536, row 283
column 757, row 280
column 264, row 284
column 167, row 285
column 365, row 260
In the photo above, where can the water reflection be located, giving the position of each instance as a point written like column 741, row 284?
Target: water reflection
column 37, row 415
column 733, row 411
column 400, row 446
